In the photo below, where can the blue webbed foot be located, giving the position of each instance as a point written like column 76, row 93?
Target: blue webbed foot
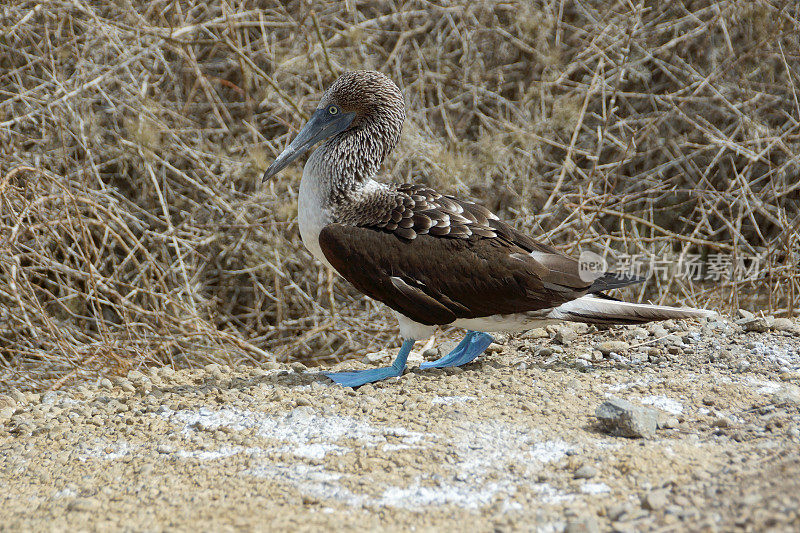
column 362, row 377
column 468, row 349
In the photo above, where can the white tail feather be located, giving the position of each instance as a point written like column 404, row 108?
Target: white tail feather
column 594, row 310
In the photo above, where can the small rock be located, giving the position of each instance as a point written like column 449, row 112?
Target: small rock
column 582, row 524
column 757, row 324
column 787, row 395
column 298, row 367
column 7, row 402
column 564, row 335
column 657, row 330
column 618, row 511
column 431, row 354
column 375, row 357
column 5, row 414
column 621, row 417
column 586, row 472
column 721, row 422
column 609, row 347
column 655, row 500
column 126, row 385
column 494, row 348
column 668, row 423
column 544, row 352
column 83, row 505
column 106, row 384
column 785, row 324
column 536, row 333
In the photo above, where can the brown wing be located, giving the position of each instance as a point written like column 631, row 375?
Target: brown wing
column 435, row 280
column 436, row 258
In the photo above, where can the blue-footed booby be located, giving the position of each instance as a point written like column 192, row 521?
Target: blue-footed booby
column 434, row 259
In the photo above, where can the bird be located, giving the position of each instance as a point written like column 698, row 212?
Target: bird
column 434, row 259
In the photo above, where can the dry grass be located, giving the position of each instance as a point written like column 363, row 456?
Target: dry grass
column 133, row 229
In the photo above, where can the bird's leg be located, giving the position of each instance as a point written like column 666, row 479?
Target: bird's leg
column 356, row 379
column 468, row 349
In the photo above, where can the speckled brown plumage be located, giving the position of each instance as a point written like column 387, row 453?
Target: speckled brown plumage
column 431, row 257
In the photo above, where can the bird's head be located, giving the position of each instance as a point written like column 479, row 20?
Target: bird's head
column 353, row 99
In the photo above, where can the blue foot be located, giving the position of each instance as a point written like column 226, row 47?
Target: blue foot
column 361, row 377
column 468, row 349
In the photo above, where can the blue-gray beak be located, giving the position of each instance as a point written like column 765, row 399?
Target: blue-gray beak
column 321, row 126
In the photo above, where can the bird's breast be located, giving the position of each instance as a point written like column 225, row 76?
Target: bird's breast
column 313, row 211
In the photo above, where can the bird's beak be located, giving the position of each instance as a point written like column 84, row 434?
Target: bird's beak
column 321, row 126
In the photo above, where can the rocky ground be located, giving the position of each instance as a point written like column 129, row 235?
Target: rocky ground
column 509, row 442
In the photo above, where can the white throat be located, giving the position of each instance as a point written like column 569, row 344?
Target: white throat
column 313, row 205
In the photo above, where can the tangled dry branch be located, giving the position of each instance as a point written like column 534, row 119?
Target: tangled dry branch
column 132, row 134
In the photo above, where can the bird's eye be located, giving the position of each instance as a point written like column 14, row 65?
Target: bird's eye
column 333, row 110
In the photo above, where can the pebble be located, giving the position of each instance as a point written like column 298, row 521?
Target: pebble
column 105, row 383
column 431, row 354
column 785, row 324
column 375, row 357
column 756, row 324
column 655, row 500
column 582, row 524
column 125, row 385
column 564, row 335
column 7, row 401
column 669, row 423
column 657, row 330
column 608, row 347
column 787, row 395
column 494, row 348
column 621, row 417
column 7, row 407
column 536, row 333
column 586, row 472
column 85, row 505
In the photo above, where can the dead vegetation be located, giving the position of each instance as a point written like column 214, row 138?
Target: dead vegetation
column 134, row 230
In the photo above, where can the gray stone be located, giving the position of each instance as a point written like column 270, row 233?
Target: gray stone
column 7, row 402
column 125, row 385
column 376, row 357
column 757, row 324
column 536, row 333
column 585, row 472
column 582, row 524
column 654, row 500
column 657, row 330
column 785, row 324
column 788, row 395
column 607, row 347
column 621, row 417
column 564, row 335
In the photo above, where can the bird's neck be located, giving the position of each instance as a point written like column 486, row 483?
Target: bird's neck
column 348, row 162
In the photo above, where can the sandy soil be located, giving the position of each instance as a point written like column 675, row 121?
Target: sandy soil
column 509, row 442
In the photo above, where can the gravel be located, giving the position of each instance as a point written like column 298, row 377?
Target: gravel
column 621, row 417
column 509, row 442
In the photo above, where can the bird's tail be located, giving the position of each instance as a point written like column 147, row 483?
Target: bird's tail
column 600, row 309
